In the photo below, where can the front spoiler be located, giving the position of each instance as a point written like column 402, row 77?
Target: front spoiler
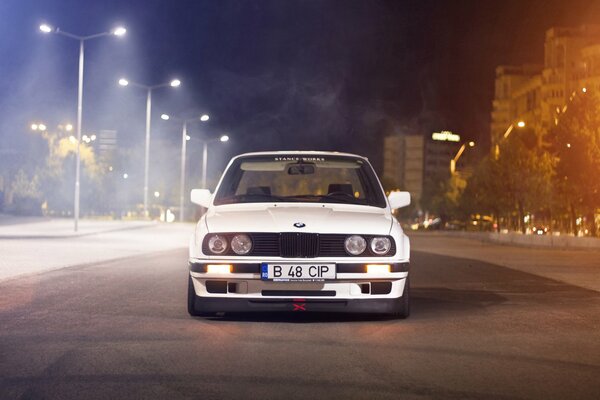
column 222, row 304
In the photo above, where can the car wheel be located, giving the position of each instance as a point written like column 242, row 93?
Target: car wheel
column 403, row 310
column 191, row 303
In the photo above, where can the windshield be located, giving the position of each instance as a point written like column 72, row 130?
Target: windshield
column 300, row 179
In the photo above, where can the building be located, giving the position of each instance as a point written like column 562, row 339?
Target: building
column 408, row 160
column 537, row 95
column 403, row 163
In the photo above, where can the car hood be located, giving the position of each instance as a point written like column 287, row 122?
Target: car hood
column 317, row 218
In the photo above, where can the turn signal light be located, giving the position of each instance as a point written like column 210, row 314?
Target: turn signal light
column 378, row 268
column 218, row 268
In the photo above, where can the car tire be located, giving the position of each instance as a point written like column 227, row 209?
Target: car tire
column 403, row 308
column 191, row 303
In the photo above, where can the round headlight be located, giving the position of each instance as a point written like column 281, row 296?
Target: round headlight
column 355, row 245
column 217, row 244
column 380, row 245
column 241, row 244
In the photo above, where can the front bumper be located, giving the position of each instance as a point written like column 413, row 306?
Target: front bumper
column 353, row 290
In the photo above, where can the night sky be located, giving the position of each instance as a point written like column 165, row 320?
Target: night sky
column 323, row 75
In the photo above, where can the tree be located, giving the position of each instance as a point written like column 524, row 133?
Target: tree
column 575, row 141
column 524, row 172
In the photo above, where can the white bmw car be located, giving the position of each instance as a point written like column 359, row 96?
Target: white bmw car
column 300, row 232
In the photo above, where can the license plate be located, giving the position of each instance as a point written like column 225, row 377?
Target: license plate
column 297, row 272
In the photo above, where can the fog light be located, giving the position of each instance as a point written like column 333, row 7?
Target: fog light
column 218, row 268
column 378, row 268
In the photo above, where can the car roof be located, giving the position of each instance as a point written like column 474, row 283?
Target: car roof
column 299, row 152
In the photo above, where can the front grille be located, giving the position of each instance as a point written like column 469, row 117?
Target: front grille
column 298, row 245
column 295, row 245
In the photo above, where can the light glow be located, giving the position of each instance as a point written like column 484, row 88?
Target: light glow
column 584, row 90
column 175, row 83
column 165, row 117
column 69, row 127
column 34, row 127
column 187, row 137
column 123, row 82
column 157, row 194
column 119, row 31
column 471, row 144
column 224, row 138
column 218, row 268
column 204, row 118
column 378, row 268
column 41, row 127
column 46, row 28
column 521, row 124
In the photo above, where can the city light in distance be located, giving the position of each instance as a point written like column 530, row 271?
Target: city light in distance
column 445, row 136
column 204, row 118
column 175, row 83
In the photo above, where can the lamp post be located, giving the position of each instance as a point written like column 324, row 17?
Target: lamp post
column 223, row 138
column 459, row 153
column 520, row 124
column 149, row 89
column 119, row 31
column 184, row 139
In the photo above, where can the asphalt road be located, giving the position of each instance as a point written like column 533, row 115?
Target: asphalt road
column 121, row 330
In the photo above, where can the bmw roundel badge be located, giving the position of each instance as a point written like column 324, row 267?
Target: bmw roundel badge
column 299, row 225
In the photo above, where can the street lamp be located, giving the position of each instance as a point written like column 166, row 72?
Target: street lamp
column 118, row 31
column 520, row 124
column 454, row 160
column 223, row 139
column 149, row 89
column 184, row 139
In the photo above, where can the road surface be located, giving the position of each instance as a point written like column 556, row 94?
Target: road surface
column 120, row 330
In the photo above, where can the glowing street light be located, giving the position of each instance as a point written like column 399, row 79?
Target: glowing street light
column 164, row 117
column 204, row 118
column 118, row 31
column 149, row 89
column 46, row 28
column 225, row 138
column 521, row 124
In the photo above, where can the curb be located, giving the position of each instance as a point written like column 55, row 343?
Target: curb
column 75, row 235
column 548, row 242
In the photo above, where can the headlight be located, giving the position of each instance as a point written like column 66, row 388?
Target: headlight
column 217, row 244
column 241, row 244
column 355, row 245
column 380, row 245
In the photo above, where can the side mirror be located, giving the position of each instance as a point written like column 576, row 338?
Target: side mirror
column 399, row 199
column 201, row 197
